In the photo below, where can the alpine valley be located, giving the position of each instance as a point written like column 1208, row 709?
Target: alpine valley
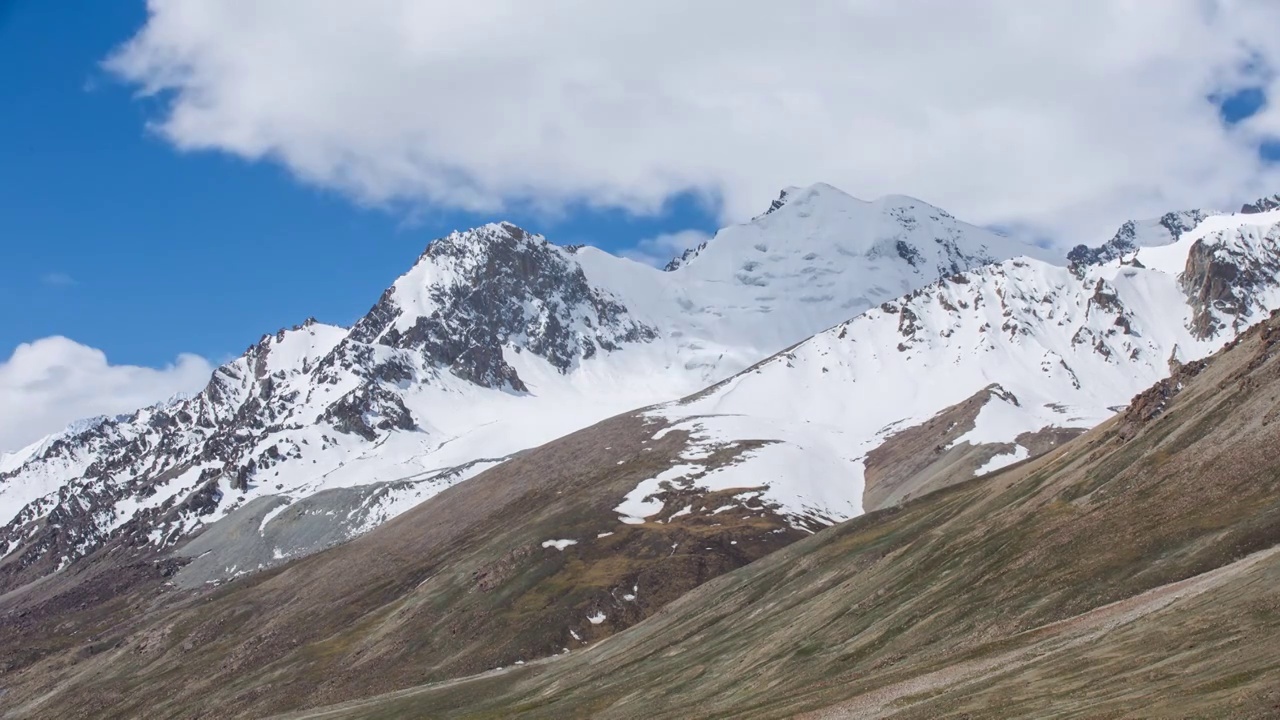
column 523, row 449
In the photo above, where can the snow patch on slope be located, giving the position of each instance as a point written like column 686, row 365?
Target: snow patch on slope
column 1004, row 460
column 1065, row 347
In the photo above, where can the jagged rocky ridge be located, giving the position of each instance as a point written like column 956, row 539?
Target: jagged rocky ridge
column 680, row 260
column 1271, row 202
column 1136, row 234
column 521, row 291
column 495, row 341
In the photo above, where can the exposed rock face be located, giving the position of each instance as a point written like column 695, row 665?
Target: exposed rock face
column 683, row 258
column 1271, row 202
column 503, row 286
column 1134, row 234
column 368, row 409
column 79, row 522
column 1151, row 403
column 1228, row 276
column 780, row 201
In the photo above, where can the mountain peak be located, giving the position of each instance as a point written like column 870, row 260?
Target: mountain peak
column 783, row 196
column 908, row 202
column 817, row 193
column 683, row 258
column 826, row 195
column 476, row 293
column 1271, row 202
column 1135, row 234
column 482, row 235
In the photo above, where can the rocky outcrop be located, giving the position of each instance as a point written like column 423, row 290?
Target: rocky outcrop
column 1271, row 202
column 683, row 258
column 1152, row 402
column 507, row 288
column 368, row 409
column 1134, row 234
column 1226, row 276
column 778, row 203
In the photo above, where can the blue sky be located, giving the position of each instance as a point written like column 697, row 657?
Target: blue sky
column 118, row 241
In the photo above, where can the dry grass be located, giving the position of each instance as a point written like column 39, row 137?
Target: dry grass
column 457, row 586
column 1111, row 578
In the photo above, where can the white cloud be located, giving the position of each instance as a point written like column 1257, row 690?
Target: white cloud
column 53, row 381
column 57, row 279
column 660, row 249
column 1063, row 116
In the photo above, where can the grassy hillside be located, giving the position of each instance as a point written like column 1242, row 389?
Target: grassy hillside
column 1126, row 572
column 1133, row 572
column 464, row 583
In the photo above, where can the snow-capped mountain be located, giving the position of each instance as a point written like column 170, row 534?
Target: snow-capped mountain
column 495, row 341
column 1135, row 234
column 1024, row 345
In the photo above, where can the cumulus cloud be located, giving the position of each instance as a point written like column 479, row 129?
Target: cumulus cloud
column 57, row 279
column 660, row 249
column 1058, row 116
column 46, row 384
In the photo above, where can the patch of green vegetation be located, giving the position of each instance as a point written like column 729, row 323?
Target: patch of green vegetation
column 808, row 649
column 1232, row 681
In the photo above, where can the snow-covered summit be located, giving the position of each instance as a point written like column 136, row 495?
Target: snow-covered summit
column 1064, row 347
column 822, row 221
column 818, row 257
column 783, row 197
column 473, row 294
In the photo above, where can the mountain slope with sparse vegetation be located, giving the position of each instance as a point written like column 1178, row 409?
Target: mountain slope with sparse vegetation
column 1132, row 572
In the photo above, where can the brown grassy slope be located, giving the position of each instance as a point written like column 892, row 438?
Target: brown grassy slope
column 917, row 460
column 1130, row 573
column 458, row 585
